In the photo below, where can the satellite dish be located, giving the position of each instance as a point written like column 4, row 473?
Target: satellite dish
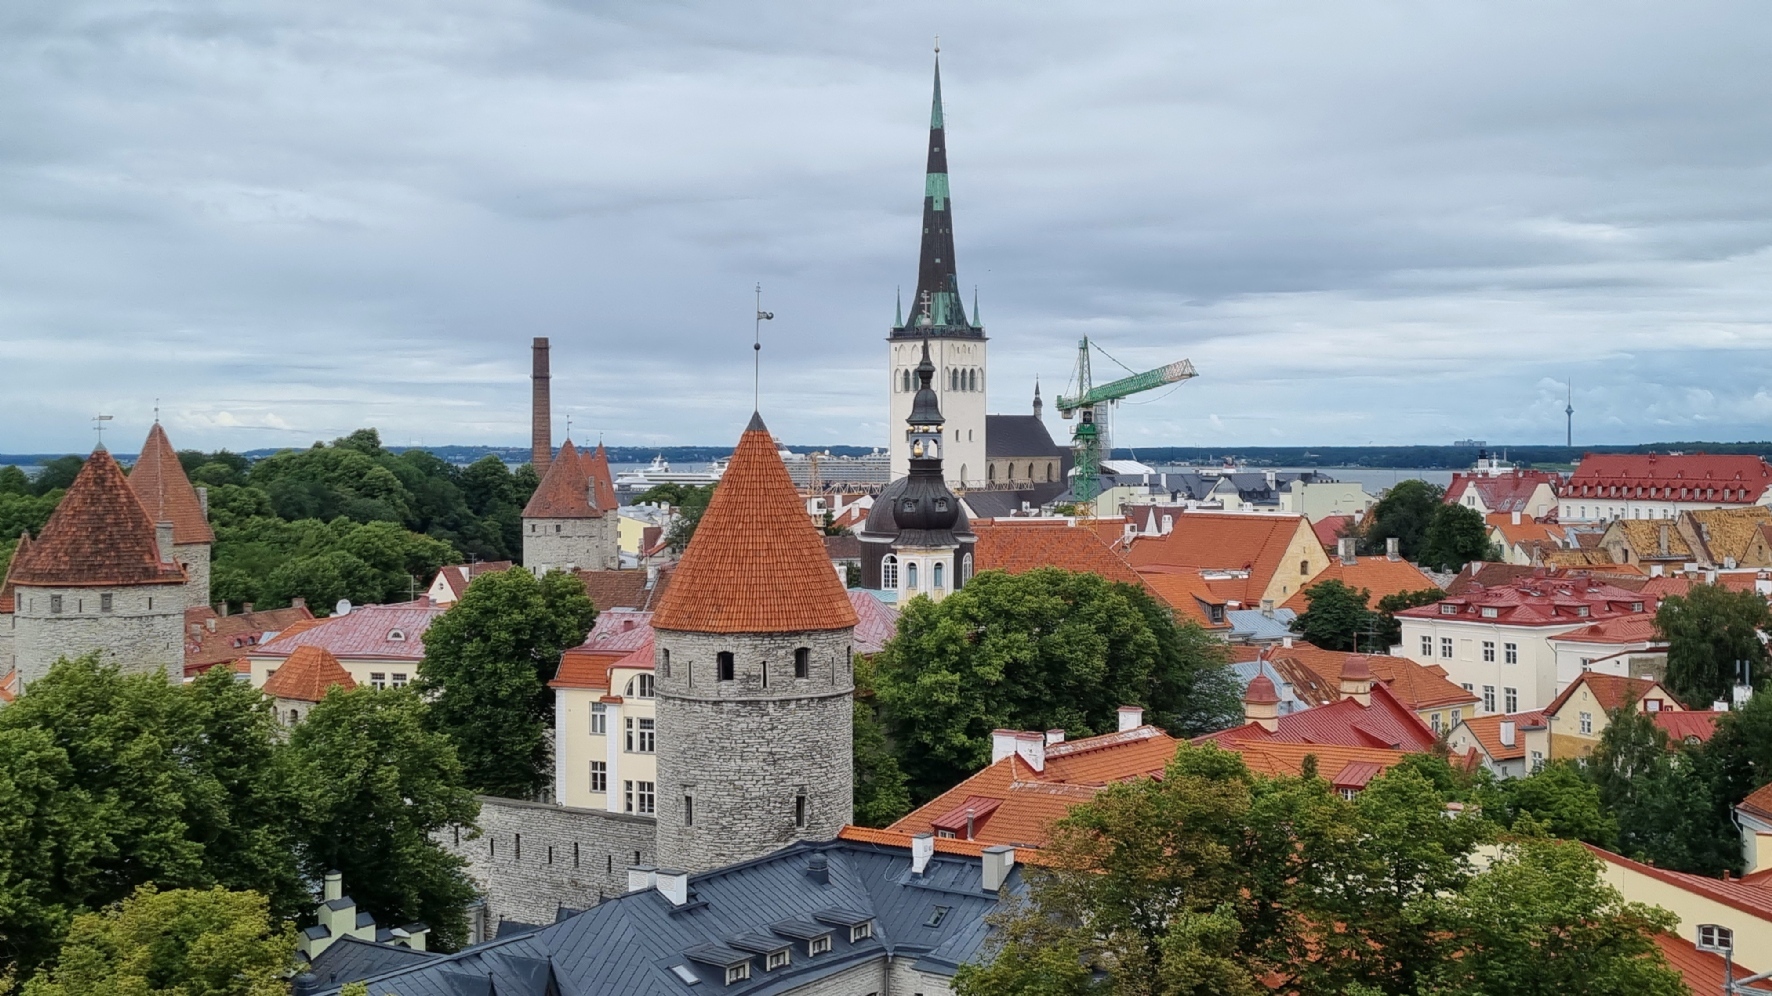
column 343, row 608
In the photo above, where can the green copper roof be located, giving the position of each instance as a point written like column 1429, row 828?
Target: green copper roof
column 935, row 107
column 936, row 187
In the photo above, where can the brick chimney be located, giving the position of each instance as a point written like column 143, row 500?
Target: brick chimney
column 541, row 418
column 1261, row 704
column 1356, row 679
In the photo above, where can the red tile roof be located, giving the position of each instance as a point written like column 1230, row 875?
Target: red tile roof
column 457, row 577
column 1638, row 628
column 876, row 622
column 217, row 639
column 1186, row 592
column 1354, row 766
column 943, row 845
column 626, row 589
column 1720, row 478
column 617, row 635
column 1386, row 722
column 1611, row 691
column 1380, row 576
column 1687, row 726
column 6, row 601
column 307, row 675
column 1503, row 492
column 1527, row 530
column 1315, row 675
column 99, row 535
column 159, row 481
column 756, row 563
column 1702, row 971
column 1754, row 900
column 367, row 633
column 1540, row 599
column 1329, row 530
column 1758, row 802
column 1221, row 541
column 1021, row 545
column 1487, row 730
column 576, row 487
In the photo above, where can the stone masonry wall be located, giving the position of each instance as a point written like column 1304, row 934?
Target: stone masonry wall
column 746, row 749
column 8, row 627
column 142, row 633
column 531, row 858
column 195, row 558
column 581, row 544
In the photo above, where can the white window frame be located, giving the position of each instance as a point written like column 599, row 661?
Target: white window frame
column 599, row 778
column 889, row 572
column 1488, row 651
column 1510, row 653
column 1446, row 647
column 599, row 719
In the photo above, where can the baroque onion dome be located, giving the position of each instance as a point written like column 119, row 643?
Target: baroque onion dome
column 918, row 511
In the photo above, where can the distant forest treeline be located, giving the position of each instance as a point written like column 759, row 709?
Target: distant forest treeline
column 1425, row 457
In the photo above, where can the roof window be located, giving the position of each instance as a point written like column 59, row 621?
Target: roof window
column 1448, row 610
column 937, row 915
column 684, row 975
column 397, row 636
column 1490, row 612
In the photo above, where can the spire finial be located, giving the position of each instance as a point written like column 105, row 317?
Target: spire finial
column 937, row 44
column 98, row 426
column 976, row 321
column 156, row 411
column 898, row 323
column 757, row 353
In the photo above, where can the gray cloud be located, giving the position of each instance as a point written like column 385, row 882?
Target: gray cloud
column 1363, row 222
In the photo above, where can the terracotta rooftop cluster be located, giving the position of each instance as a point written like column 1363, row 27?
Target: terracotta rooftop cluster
column 100, row 535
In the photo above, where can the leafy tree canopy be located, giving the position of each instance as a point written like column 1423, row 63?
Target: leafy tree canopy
column 1335, row 617
column 184, row 942
column 881, row 795
column 1404, row 512
column 488, row 661
column 1455, row 536
column 1708, row 631
column 1041, row 650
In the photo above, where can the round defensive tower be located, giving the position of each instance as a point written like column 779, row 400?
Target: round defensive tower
column 754, row 676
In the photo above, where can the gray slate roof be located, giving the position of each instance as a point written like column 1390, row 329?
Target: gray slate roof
column 635, row 943
column 349, row 958
column 1255, row 625
column 1018, row 436
column 1002, row 504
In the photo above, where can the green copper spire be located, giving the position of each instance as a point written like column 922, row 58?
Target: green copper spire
column 935, row 105
column 898, row 322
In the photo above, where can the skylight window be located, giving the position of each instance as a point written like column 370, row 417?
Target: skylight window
column 684, row 975
column 936, row 916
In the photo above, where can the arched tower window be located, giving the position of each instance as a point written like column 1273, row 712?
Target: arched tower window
column 973, row 377
column 965, row 569
column 935, row 576
column 910, row 576
column 889, row 573
column 990, row 471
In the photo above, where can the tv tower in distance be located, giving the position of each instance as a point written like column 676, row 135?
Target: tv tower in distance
column 1569, row 415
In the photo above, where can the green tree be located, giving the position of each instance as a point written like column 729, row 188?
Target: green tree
column 1563, row 801
column 488, row 661
column 1335, row 617
column 1661, row 799
column 376, row 788
column 1455, row 536
column 1041, row 650
column 1542, row 920
column 1404, row 512
column 13, row 481
column 1389, row 632
column 1708, row 630
column 881, row 796
column 184, row 942
column 57, row 474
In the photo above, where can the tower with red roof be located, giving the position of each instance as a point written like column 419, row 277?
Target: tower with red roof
column 166, row 494
column 755, row 680
column 571, row 521
column 100, row 578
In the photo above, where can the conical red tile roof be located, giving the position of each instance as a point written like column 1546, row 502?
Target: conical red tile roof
column 6, row 601
column 565, row 493
column 98, row 535
column 307, row 675
column 756, row 564
column 159, row 481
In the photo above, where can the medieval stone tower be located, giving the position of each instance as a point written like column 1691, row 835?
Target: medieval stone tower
column 755, row 678
column 101, row 576
column 938, row 320
column 570, row 522
column 160, row 484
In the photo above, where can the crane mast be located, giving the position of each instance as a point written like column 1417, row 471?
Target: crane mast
column 1086, row 440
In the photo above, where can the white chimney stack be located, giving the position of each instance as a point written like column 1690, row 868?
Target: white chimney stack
column 335, row 886
column 1391, row 550
column 1054, row 737
column 1131, row 717
column 1032, row 748
column 673, row 885
column 1516, row 516
column 999, row 861
column 1002, row 744
column 1507, row 733
column 1344, row 548
column 641, row 877
column 922, row 849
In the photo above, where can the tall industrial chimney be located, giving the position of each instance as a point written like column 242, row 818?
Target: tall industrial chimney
column 541, row 418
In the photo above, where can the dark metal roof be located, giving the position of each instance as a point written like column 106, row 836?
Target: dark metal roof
column 1019, row 436
column 349, row 958
column 634, row 943
column 1002, row 504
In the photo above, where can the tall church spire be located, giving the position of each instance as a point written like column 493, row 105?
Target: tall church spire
column 938, row 303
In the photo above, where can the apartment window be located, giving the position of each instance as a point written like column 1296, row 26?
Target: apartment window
column 599, row 777
column 599, row 719
column 802, row 662
column 1587, row 722
column 645, row 798
column 1489, row 651
column 1215, row 613
column 1488, row 698
column 1469, row 687
column 398, row 681
column 1537, row 761
column 55, row 605
column 1511, row 697
column 642, row 738
column 1490, row 612
column 1651, row 705
column 104, row 602
column 1427, row 646
column 800, row 811
column 937, row 576
column 627, row 798
column 818, row 945
column 1348, row 793
column 724, row 662
column 1446, row 647
column 889, row 573
column 642, row 686
column 1434, row 722
column 378, row 680
column 966, row 561
column 1304, row 567
column 1457, row 716
column 1448, row 609
column 1511, row 653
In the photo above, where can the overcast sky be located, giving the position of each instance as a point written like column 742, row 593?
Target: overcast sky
column 1363, row 222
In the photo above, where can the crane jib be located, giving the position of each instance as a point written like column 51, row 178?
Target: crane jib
column 1126, row 386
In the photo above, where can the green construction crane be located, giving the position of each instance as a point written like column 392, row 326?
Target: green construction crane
column 1086, row 441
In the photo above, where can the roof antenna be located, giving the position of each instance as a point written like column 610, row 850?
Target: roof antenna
column 757, row 352
column 98, row 426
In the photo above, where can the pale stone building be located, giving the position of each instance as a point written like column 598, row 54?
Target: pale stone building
column 159, row 482
column 606, row 718
column 571, row 522
column 101, row 576
column 755, row 676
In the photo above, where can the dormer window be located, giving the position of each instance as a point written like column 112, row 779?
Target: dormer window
column 941, row 504
column 396, row 636
column 1448, row 610
column 861, row 931
column 818, row 945
column 738, row 973
column 641, row 686
column 909, row 505
column 1490, row 612
column 776, row 959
